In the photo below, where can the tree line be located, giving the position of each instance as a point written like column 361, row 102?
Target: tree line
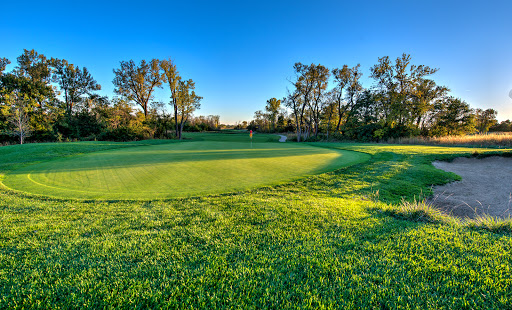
column 51, row 99
column 404, row 101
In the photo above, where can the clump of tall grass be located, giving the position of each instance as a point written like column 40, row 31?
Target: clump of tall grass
column 496, row 139
column 491, row 223
column 425, row 211
column 418, row 211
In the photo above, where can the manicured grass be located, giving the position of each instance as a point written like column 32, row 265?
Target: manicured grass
column 177, row 169
column 320, row 242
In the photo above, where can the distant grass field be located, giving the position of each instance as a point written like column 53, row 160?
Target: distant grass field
column 178, row 169
column 320, row 242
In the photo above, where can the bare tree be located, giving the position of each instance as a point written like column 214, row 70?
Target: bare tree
column 19, row 118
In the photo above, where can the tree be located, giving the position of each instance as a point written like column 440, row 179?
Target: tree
column 293, row 101
column 272, row 108
column 341, row 79
column 354, row 88
column 329, row 111
column 172, row 78
column 183, row 97
column 74, row 82
column 310, row 84
column 3, row 64
column 397, row 81
column 30, row 80
column 187, row 102
column 485, row 119
column 424, row 95
column 137, row 83
column 503, row 126
column 320, row 77
column 453, row 117
column 34, row 66
column 19, row 118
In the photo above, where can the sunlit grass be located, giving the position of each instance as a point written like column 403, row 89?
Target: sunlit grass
column 176, row 170
column 324, row 242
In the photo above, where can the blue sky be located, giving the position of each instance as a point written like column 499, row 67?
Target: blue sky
column 240, row 53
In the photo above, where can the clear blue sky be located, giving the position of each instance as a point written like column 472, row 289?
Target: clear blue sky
column 240, row 53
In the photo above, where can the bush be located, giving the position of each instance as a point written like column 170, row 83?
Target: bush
column 121, row 134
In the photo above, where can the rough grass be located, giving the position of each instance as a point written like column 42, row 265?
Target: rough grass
column 425, row 211
column 320, row 242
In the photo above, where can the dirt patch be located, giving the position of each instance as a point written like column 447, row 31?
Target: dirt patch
column 486, row 187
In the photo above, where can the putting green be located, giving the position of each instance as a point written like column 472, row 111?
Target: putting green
column 176, row 170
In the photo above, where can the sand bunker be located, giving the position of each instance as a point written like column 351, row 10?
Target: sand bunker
column 486, row 187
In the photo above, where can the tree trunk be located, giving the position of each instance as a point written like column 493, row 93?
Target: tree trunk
column 176, row 121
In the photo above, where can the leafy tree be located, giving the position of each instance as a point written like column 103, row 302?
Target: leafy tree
column 137, row 83
column 3, row 64
column 424, row 95
column 74, row 82
column 320, row 77
column 29, row 83
column 341, row 79
column 310, row 85
column 183, row 97
column 354, row 89
column 187, row 102
column 502, row 126
column 398, row 81
column 329, row 111
column 453, row 116
column 172, row 78
column 272, row 107
column 34, row 66
column 485, row 119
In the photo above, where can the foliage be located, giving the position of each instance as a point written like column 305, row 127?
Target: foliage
column 404, row 102
column 74, row 82
column 137, row 83
column 485, row 119
column 61, row 103
column 502, row 126
column 183, row 97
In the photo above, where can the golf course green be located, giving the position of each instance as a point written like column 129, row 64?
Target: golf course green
column 181, row 169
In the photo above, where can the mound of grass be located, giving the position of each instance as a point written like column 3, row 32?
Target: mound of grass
column 312, row 243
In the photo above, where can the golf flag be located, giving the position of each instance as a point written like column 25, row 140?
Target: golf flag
column 250, row 134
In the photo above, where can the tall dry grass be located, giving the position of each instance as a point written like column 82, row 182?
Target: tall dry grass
column 425, row 211
column 495, row 139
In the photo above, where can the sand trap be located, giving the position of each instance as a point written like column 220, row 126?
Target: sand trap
column 485, row 188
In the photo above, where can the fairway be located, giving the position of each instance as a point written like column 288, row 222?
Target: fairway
column 176, row 170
